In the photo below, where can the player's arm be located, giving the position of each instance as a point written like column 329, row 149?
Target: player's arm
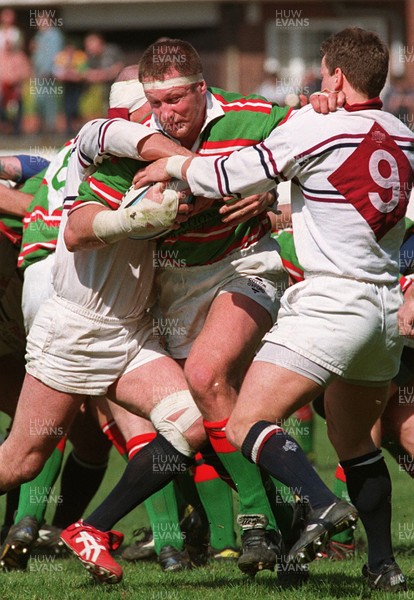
column 10, row 168
column 93, row 226
column 97, row 219
column 14, row 202
column 242, row 173
column 117, row 137
column 233, row 212
column 79, row 234
column 21, row 167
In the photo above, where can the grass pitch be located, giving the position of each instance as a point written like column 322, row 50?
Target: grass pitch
column 66, row 579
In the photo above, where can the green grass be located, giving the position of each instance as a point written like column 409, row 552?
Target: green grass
column 66, row 578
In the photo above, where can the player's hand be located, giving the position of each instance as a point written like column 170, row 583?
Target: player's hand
column 326, row 101
column 240, row 211
column 406, row 314
column 187, row 210
column 156, row 171
column 184, row 210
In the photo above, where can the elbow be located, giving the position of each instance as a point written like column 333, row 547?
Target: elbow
column 71, row 241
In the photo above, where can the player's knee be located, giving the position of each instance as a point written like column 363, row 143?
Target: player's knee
column 178, row 419
column 204, row 380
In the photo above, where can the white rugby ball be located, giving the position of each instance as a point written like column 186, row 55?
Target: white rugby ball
column 133, row 196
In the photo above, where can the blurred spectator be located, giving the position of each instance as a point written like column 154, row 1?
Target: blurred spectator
column 10, row 35
column 104, row 61
column 70, row 67
column 46, row 44
column 399, row 100
column 271, row 86
column 311, row 82
column 14, row 70
column 286, row 90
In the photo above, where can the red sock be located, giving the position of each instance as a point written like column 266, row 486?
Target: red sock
column 136, row 443
column 340, row 474
column 202, row 471
column 216, row 431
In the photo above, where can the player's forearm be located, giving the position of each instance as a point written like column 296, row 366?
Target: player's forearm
column 79, row 233
column 10, row 168
column 93, row 226
column 240, row 174
column 14, row 202
column 157, row 146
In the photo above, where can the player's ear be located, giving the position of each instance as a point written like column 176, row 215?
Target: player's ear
column 203, row 87
column 338, row 79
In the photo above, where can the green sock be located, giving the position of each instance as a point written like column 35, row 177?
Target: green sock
column 34, row 495
column 217, row 499
column 162, row 511
column 340, row 489
column 246, row 476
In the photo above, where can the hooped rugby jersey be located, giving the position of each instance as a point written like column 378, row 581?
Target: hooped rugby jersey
column 44, row 214
column 233, row 122
column 10, row 225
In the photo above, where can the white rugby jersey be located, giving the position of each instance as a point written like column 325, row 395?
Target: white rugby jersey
column 351, row 172
column 115, row 281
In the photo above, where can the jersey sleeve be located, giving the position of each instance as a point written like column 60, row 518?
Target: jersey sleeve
column 109, row 137
column 31, row 165
column 249, row 171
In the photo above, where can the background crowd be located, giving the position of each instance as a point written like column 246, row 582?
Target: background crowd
column 55, row 82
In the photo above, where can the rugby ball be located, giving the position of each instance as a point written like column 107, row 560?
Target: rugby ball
column 133, row 196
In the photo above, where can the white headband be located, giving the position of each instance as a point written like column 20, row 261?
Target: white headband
column 127, row 94
column 165, row 84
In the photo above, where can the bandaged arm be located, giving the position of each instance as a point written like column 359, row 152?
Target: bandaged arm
column 91, row 225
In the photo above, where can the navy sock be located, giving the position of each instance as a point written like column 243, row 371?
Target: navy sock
column 147, row 472
column 369, row 487
column 279, row 454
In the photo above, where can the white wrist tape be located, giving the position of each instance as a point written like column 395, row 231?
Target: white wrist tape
column 174, row 166
column 110, row 226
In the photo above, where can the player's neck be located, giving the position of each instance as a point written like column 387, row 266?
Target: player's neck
column 353, row 96
column 189, row 141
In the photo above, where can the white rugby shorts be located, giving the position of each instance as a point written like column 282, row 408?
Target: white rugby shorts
column 186, row 293
column 348, row 327
column 76, row 351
